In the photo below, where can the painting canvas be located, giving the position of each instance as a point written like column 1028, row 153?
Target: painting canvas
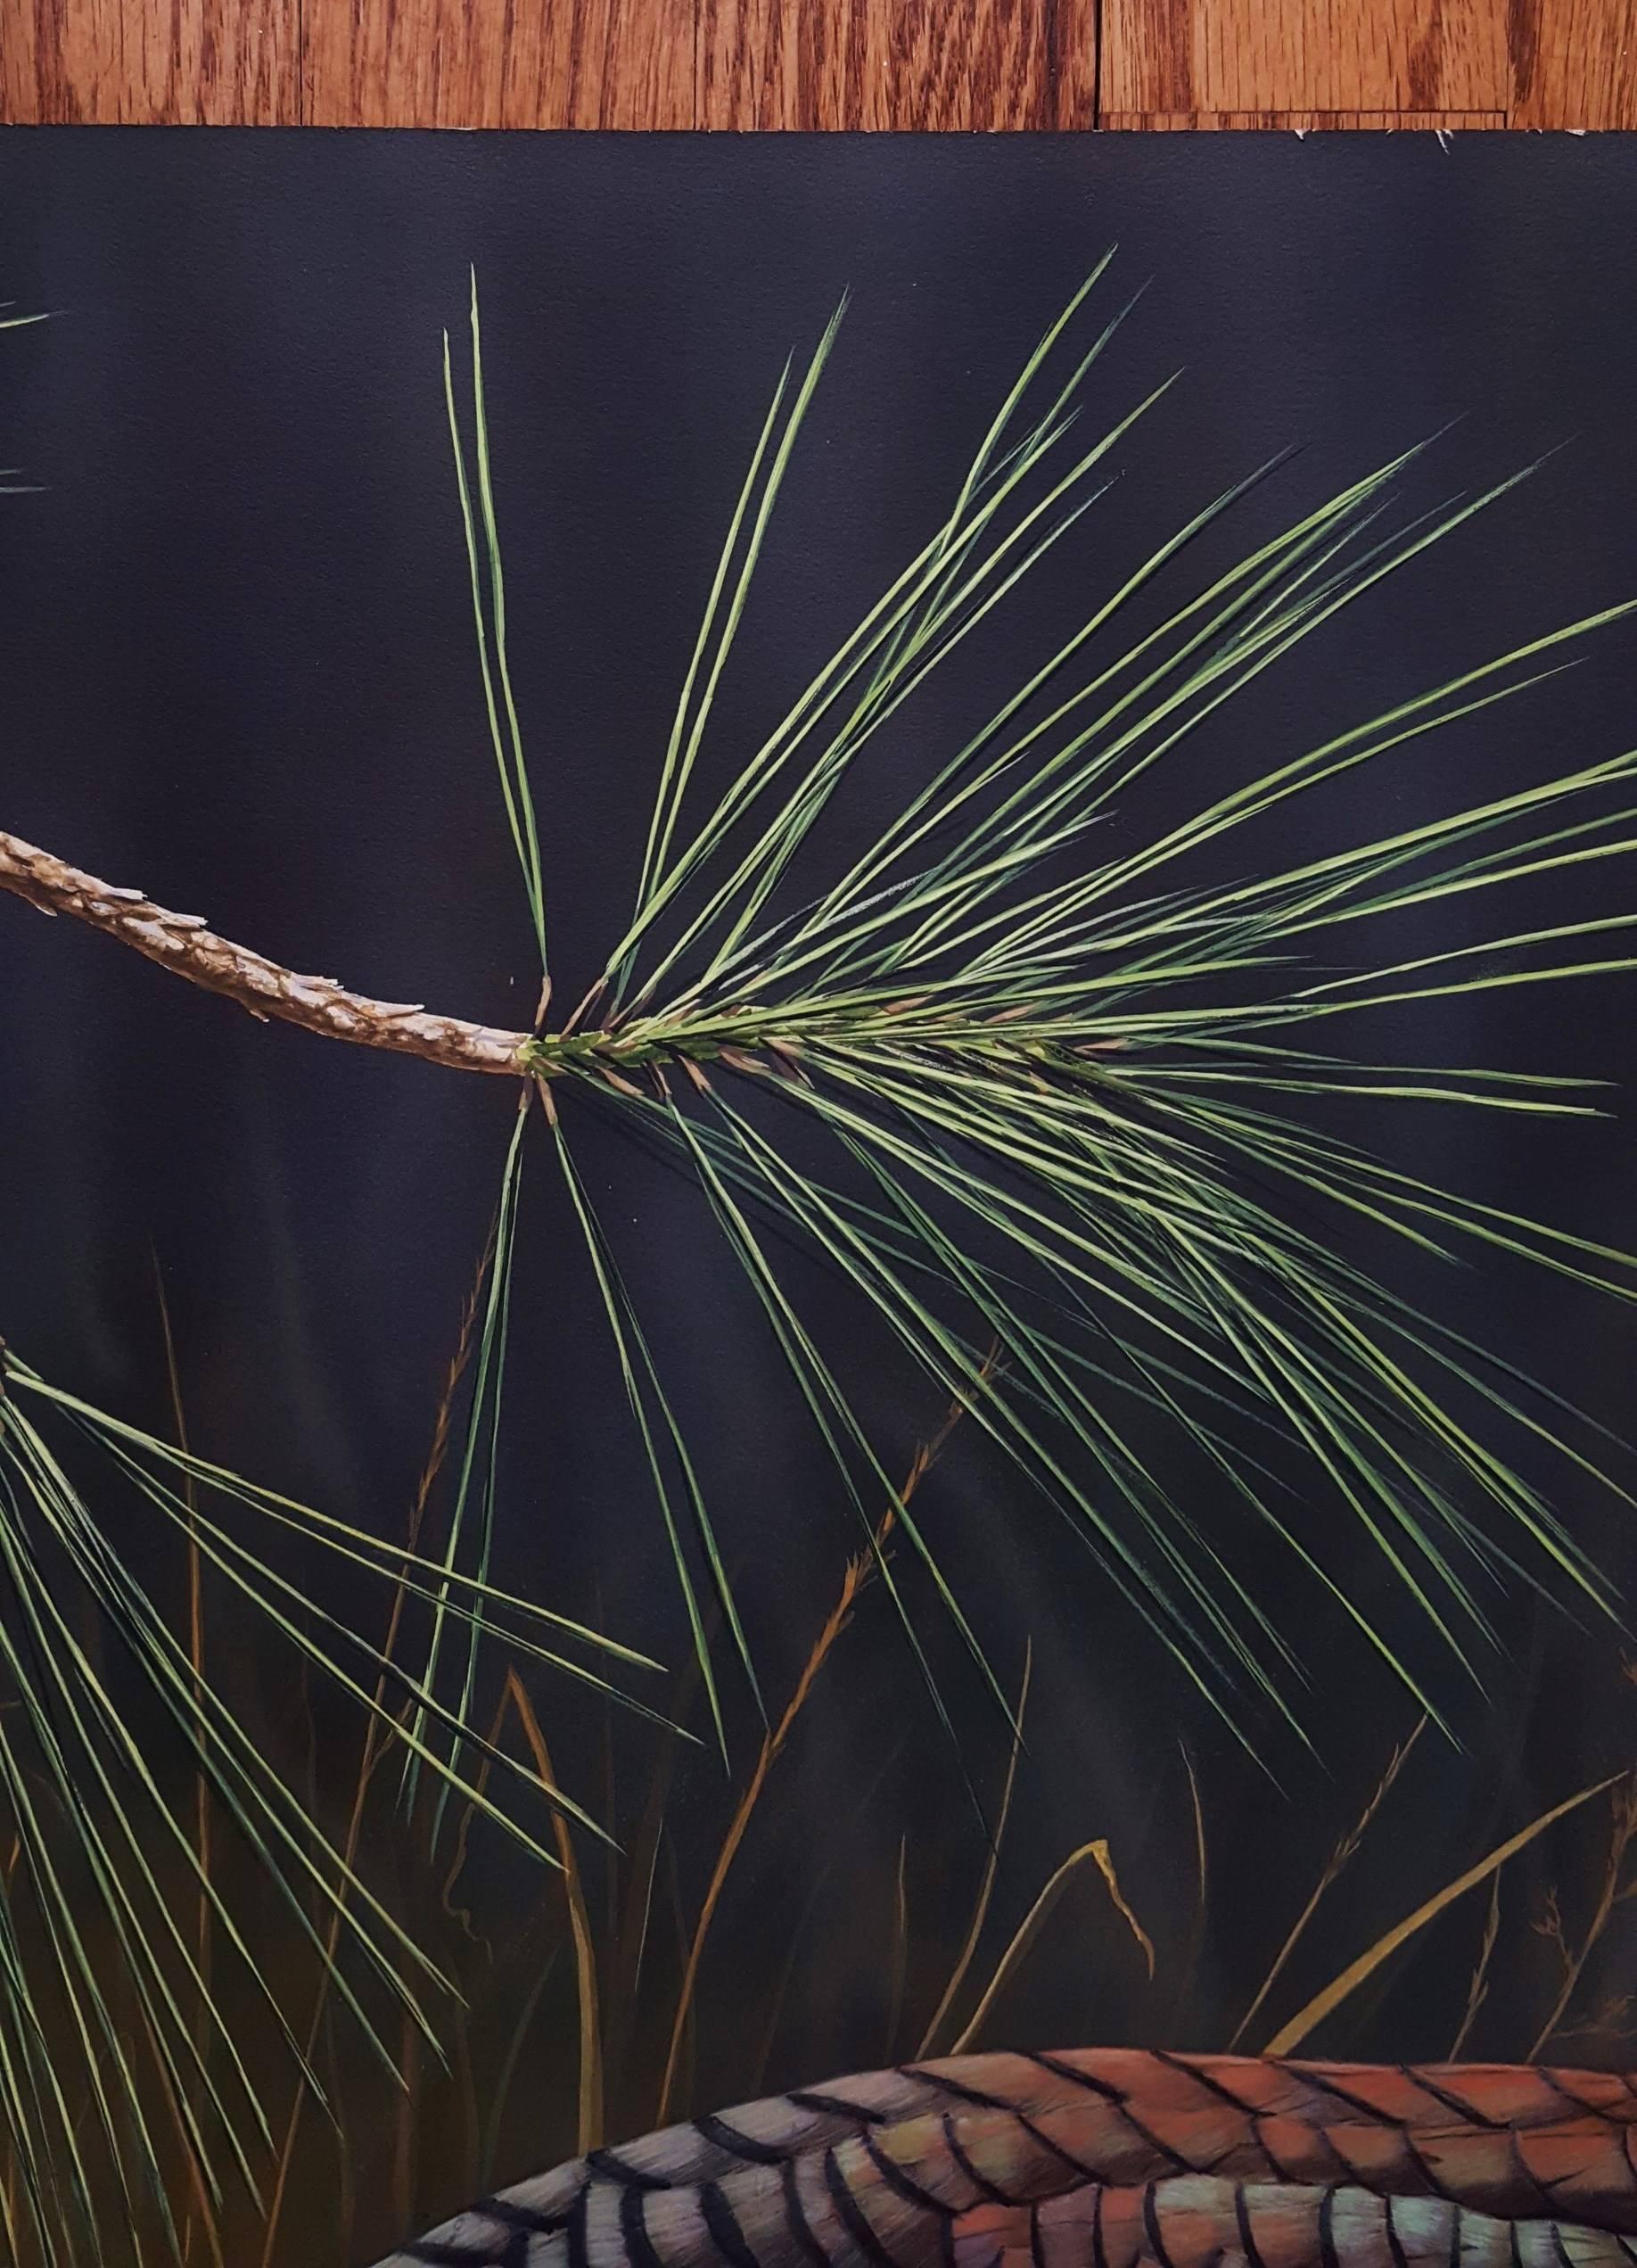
column 817, row 1200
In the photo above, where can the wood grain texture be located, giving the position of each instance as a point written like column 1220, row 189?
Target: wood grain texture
column 150, row 62
column 1574, row 63
column 1301, row 121
column 1322, row 63
column 974, row 66
column 928, row 65
column 1394, row 60
column 617, row 64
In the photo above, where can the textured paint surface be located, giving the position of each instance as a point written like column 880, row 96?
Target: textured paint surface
column 240, row 673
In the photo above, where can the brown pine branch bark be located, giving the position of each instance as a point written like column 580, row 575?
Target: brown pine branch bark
column 183, row 943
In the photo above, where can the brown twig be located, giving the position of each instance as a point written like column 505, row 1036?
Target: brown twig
column 746, row 1042
column 183, row 944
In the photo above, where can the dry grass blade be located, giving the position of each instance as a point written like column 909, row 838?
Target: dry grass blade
column 1199, row 1829
column 1623, row 1828
column 1337, row 1861
column 1289, row 2037
column 374, row 1745
column 1186, row 1971
column 1035, row 1920
column 899, row 1965
column 621, row 2000
column 992, row 1864
column 580, row 1925
column 202, row 2214
column 854, row 1578
column 1477, row 1991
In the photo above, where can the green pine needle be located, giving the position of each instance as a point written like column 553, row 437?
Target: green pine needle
column 1030, row 1035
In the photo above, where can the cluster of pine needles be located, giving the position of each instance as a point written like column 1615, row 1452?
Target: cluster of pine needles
column 1076, row 1104
column 1088, row 1062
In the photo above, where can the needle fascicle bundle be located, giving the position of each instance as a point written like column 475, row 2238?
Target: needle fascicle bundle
column 1112, row 1057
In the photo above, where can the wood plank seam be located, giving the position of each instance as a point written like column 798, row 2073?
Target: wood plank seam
column 937, row 65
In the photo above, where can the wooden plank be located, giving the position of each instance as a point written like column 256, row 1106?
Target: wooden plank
column 1573, row 62
column 1301, row 121
column 624, row 63
column 1392, row 61
column 937, row 65
column 150, row 62
column 972, row 66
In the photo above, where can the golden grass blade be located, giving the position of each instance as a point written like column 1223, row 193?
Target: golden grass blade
column 1290, row 2036
column 1035, row 1920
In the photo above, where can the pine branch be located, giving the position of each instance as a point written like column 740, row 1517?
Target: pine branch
column 183, row 944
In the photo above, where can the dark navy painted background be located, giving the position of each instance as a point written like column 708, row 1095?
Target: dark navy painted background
column 238, row 672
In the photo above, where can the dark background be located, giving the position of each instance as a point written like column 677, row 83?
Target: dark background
column 238, row 672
